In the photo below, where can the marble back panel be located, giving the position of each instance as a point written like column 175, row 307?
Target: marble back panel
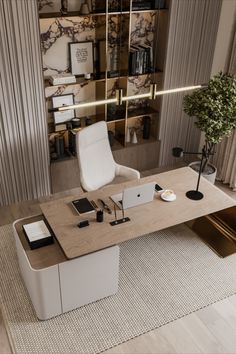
column 57, row 33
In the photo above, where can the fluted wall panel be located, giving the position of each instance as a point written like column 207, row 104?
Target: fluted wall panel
column 192, row 35
column 24, row 157
column 225, row 157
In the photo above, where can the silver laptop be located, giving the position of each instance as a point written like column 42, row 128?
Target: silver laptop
column 134, row 196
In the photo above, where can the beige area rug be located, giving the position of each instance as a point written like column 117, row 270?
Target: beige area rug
column 163, row 276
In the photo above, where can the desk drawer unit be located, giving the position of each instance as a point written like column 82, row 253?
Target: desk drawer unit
column 89, row 278
column 43, row 285
column 65, row 284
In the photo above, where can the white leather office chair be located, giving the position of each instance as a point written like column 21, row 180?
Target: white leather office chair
column 96, row 162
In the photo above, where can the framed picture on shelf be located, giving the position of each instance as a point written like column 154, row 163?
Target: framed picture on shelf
column 81, row 58
column 63, row 100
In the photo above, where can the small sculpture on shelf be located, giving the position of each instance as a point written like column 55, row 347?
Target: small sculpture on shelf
column 84, row 8
column 134, row 139
column 64, row 7
column 128, row 135
column 87, row 76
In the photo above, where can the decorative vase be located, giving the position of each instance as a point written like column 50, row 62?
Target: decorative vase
column 89, row 3
column 134, row 138
column 84, row 9
column 146, row 127
column 128, row 135
column 64, row 7
column 76, row 123
column 88, row 121
column 59, row 146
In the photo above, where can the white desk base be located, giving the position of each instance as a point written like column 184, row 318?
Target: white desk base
column 71, row 284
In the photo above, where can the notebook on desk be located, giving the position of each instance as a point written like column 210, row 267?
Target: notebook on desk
column 134, row 196
column 82, row 205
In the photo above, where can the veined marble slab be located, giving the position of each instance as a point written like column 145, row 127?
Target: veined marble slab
column 57, row 33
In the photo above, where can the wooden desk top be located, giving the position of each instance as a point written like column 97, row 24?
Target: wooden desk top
column 145, row 219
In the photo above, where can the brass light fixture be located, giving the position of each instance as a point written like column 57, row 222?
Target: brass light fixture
column 119, row 99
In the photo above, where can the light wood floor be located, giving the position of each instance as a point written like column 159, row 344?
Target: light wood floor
column 210, row 330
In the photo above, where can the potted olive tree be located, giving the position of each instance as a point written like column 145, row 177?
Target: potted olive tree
column 214, row 108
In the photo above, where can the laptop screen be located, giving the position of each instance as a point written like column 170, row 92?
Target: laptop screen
column 134, row 196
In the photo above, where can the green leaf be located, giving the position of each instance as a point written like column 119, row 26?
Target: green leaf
column 214, row 107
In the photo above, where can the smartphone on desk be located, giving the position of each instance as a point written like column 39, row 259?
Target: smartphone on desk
column 158, row 188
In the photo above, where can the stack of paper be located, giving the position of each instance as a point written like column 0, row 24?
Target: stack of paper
column 37, row 234
column 60, row 79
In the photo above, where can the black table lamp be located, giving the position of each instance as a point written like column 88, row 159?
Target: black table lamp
column 179, row 152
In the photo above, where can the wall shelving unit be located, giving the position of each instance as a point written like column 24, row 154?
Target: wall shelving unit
column 113, row 30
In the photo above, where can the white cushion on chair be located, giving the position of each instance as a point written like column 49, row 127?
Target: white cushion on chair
column 97, row 165
column 96, row 162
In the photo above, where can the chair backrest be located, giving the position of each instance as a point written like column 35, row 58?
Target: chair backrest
column 96, row 162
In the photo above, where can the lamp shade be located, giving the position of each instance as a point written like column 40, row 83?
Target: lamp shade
column 177, row 152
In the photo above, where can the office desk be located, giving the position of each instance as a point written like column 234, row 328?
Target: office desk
column 82, row 265
column 144, row 219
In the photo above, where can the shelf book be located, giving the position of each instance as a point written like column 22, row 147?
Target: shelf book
column 140, row 59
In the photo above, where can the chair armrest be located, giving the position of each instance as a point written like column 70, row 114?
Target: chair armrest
column 128, row 172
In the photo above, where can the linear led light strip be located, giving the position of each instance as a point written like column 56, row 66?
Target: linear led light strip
column 119, row 99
